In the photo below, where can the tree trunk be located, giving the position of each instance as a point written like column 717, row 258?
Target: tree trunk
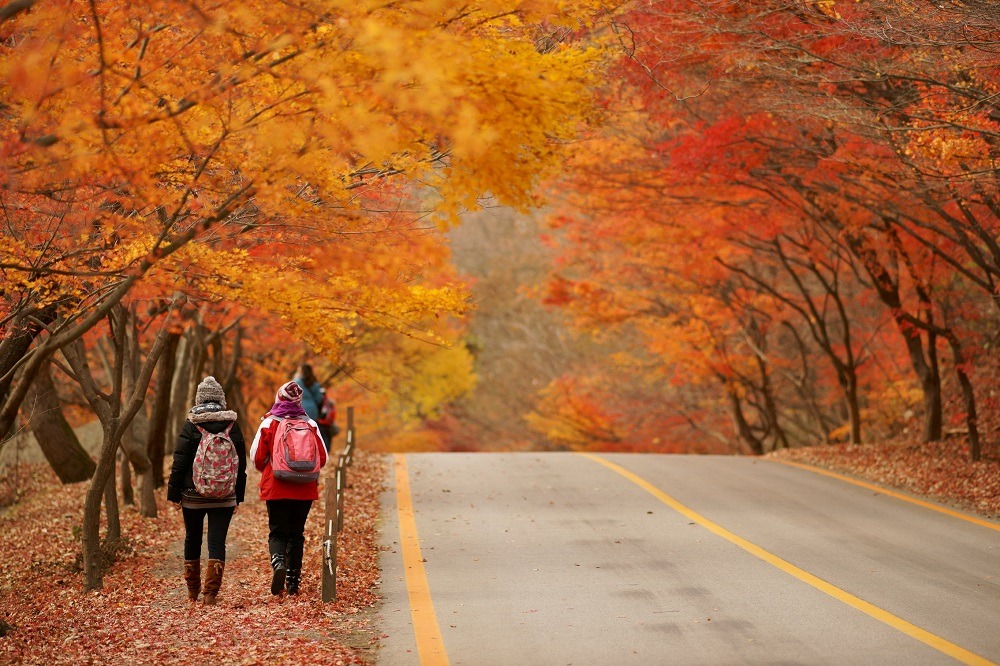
column 113, row 535
column 93, row 569
column 924, row 363
column 179, row 391
column 21, row 380
column 233, row 387
column 125, row 472
column 968, row 395
column 971, row 418
column 134, row 455
column 850, row 382
column 215, row 344
column 743, row 429
column 134, row 448
column 805, row 388
column 116, row 415
column 55, row 437
column 145, row 490
column 137, row 431
column 930, row 382
column 160, row 411
column 770, row 406
column 199, row 355
column 236, row 402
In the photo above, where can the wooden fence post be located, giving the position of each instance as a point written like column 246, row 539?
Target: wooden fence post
column 330, row 542
column 335, row 512
column 341, row 487
column 347, row 456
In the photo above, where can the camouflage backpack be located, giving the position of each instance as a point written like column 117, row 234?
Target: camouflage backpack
column 215, row 464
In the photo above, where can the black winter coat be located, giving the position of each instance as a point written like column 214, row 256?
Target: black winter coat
column 181, row 478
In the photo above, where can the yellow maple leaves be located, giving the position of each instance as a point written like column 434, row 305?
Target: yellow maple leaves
column 352, row 83
column 287, row 163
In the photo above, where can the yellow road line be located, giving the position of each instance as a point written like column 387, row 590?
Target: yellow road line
column 922, row 635
column 430, row 645
column 890, row 493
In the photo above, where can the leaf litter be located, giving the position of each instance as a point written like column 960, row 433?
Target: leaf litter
column 938, row 471
column 142, row 616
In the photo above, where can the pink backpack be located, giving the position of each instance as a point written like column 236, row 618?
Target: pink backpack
column 215, row 464
column 294, row 453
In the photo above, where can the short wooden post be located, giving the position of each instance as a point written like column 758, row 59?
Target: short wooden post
column 341, row 486
column 335, row 512
column 351, row 436
column 330, row 542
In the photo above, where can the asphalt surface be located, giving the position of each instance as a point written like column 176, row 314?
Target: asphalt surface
column 556, row 558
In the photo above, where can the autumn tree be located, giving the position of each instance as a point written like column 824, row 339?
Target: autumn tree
column 115, row 406
column 257, row 113
column 815, row 112
column 236, row 142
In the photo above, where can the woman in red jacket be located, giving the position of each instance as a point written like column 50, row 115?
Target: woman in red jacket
column 288, row 502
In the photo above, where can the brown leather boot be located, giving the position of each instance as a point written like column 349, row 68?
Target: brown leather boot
column 192, row 576
column 213, row 581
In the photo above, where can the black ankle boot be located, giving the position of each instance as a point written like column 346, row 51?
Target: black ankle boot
column 278, row 574
column 292, row 581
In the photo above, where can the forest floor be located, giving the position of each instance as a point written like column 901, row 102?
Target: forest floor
column 141, row 616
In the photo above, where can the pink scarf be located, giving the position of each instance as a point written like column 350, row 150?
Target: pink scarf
column 287, row 409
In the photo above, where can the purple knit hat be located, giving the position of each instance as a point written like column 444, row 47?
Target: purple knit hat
column 290, row 392
column 288, row 402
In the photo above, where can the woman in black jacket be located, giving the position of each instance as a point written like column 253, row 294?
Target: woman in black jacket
column 220, row 492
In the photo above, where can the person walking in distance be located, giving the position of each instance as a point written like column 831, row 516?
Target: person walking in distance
column 207, row 480
column 327, row 421
column 289, row 452
column 313, row 397
column 317, row 404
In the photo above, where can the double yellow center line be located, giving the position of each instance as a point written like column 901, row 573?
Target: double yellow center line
column 922, row 635
column 430, row 644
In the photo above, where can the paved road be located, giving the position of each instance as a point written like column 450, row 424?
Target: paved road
column 555, row 558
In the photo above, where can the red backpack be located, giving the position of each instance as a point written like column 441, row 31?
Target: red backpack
column 215, row 464
column 295, row 454
column 327, row 412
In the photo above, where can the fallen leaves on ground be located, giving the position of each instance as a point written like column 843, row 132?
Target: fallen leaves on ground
column 142, row 615
column 940, row 471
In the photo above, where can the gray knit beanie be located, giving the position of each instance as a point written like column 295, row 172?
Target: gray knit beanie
column 209, row 390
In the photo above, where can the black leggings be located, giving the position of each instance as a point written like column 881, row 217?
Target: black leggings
column 287, row 520
column 218, row 528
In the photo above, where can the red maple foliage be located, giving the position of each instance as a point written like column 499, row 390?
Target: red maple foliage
column 142, row 614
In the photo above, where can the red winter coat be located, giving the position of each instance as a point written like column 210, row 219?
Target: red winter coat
column 260, row 453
